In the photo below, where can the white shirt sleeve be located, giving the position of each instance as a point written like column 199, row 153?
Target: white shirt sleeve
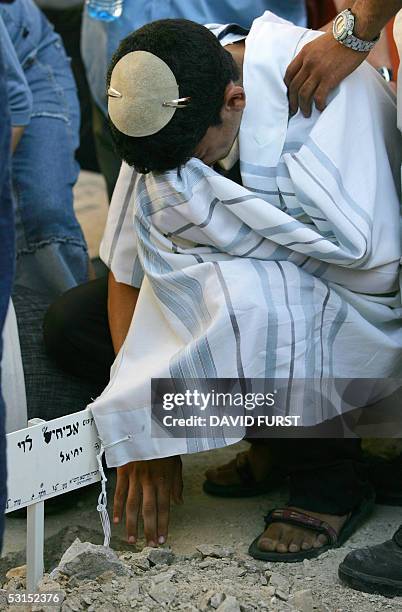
column 118, row 249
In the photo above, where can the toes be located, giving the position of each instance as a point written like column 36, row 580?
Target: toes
column 286, row 538
column 308, row 540
column 320, row 540
column 295, row 544
column 270, row 538
column 267, row 544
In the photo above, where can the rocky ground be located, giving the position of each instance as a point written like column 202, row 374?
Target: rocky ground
column 209, row 568
column 213, row 577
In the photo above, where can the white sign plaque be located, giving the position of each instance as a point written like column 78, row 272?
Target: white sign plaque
column 51, row 458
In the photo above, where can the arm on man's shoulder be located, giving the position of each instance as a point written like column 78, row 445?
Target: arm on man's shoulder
column 323, row 63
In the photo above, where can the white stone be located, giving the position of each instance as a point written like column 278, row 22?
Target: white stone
column 85, row 560
column 216, row 551
column 163, row 593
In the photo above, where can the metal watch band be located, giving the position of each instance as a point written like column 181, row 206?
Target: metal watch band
column 343, row 30
column 352, row 42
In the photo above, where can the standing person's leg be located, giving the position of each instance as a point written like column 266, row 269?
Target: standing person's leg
column 6, row 264
column 52, row 255
column 67, row 22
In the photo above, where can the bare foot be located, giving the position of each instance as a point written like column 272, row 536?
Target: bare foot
column 283, row 538
column 258, row 458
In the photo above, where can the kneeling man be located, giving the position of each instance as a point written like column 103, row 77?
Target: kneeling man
column 283, row 265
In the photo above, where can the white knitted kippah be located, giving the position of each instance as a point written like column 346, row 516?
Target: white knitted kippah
column 143, row 95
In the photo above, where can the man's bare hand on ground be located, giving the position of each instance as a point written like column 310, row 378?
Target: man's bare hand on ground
column 319, row 67
column 147, row 488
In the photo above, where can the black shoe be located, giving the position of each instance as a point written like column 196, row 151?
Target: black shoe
column 375, row 569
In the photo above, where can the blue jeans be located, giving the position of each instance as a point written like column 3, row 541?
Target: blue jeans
column 7, row 251
column 51, row 250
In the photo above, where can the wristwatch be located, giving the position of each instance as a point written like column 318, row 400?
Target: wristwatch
column 343, row 28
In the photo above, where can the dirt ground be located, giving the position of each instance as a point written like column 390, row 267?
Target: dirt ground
column 227, row 522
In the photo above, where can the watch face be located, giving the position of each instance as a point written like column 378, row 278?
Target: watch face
column 340, row 25
column 343, row 25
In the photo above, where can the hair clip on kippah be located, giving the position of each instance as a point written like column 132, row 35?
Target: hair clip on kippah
column 179, row 103
column 113, row 93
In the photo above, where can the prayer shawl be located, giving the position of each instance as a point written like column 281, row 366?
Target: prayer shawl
column 293, row 275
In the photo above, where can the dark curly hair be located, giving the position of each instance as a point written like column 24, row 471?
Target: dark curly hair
column 203, row 69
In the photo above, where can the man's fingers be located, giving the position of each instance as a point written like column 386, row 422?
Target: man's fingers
column 120, row 495
column 149, row 513
column 163, row 498
column 133, row 508
column 293, row 90
column 293, row 69
column 321, row 95
column 306, row 94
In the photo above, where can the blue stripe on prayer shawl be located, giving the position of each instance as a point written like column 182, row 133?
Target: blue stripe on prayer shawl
column 307, row 300
column 179, row 292
column 305, row 201
column 281, row 254
column 178, row 371
column 122, row 216
column 336, row 326
column 333, row 170
column 212, row 207
column 353, row 248
column 182, row 295
column 280, row 170
column 253, row 249
column 292, row 147
column 322, row 268
column 293, row 339
column 322, row 418
column 239, row 199
column 282, row 228
column 170, row 191
column 233, row 320
column 188, row 226
column 289, row 244
column 185, row 366
column 331, row 257
column 138, row 273
column 243, row 232
column 271, row 343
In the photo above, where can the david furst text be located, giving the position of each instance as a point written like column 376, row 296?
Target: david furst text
column 247, row 420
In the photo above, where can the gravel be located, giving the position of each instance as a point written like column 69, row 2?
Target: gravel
column 157, row 579
column 208, row 563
